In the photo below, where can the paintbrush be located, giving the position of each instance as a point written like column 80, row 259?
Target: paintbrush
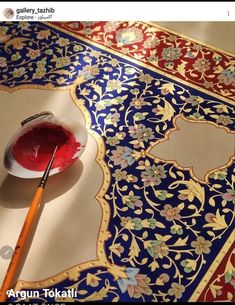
column 25, row 231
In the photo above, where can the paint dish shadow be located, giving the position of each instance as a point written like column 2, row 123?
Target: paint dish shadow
column 17, row 193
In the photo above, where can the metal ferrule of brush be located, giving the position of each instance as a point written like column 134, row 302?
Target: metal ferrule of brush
column 47, row 171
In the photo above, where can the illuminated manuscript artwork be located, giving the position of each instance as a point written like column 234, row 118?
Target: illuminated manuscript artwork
column 159, row 109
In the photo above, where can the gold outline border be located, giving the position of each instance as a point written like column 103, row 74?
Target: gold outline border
column 32, row 86
column 174, row 162
column 140, row 63
column 100, row 263
column 212, row 269
column 187, row 37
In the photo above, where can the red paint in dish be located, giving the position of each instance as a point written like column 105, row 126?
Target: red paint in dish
column 34, row 148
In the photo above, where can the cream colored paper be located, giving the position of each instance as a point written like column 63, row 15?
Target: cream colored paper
column 69, row 223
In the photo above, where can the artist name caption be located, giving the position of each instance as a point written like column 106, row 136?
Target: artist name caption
column 44, row 293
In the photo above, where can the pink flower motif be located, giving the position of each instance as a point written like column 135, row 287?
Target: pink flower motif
column 153, row 175
column 138, row 102
column 141, row 133
column 201, row 245
column 229, row 196
column 90, row 71
column 170, row 213
column 135, row 291
column 135, row 284
column 202, row 65
column 33, row 53
column 122, row 156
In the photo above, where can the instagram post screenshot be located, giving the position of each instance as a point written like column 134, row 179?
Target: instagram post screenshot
column 117, row 141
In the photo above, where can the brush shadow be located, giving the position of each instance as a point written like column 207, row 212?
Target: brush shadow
column 17, row 193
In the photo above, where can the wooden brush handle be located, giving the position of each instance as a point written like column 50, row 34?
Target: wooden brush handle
column 31, row 215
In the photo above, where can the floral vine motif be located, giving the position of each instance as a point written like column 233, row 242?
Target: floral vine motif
column 158, row 249
column 171, row 53
column 35, row 54
column 141, row 108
